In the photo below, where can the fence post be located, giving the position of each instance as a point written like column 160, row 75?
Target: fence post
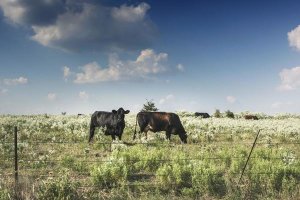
column 16, row 156
column 249, row 156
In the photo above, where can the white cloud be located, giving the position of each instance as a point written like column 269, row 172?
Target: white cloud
column 294, row 37
column 130, row 13
column 67, row 72
column 79, row 25
column 17, row 81
column 83, row 95
column 109, row 28
column 51, row 96
column 180, row 67
column 290, row 79
column 231, row 99
column 279, row 104
column 41, row 12
column 147, row 64
column 3, row 91
column 166, row 99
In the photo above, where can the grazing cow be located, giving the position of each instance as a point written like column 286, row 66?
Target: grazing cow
column 113, row 122
column 251, row 117
column 203, row 115
column 160, row 121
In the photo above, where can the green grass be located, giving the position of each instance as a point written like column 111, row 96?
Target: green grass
column 56, row 162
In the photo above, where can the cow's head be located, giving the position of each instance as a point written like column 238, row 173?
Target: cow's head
column 183, row 137
column 120, row 114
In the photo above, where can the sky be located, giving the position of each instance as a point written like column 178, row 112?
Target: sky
column 78, row 56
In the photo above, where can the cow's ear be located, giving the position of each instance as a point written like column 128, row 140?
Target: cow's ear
column 114, row 111
column 127, row 111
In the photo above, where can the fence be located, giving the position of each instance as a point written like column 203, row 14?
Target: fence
column 19, row 161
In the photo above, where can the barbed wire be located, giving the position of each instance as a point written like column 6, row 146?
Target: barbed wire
column 144, row 175
column 156, row 143
column 161, row 160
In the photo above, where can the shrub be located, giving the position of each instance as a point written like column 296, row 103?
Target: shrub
column 4, row 194
column 110, row 174
column 229, row 114
column 175, row 176
column 217, row 113
column 61, row 188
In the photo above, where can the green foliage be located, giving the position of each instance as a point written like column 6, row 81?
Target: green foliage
column 175, row 176
column 149, row 106
column 216, row 184
column 4, row 194
column 217, row 113
column 229, row 114
column 206, row 169
column 61, row 188
column 71, row 163
column 110, row 174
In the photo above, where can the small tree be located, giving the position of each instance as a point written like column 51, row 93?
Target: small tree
column 149, row 106
column 229, row 114
column 217, row 113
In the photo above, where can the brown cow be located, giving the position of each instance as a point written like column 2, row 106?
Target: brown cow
column 160, row 121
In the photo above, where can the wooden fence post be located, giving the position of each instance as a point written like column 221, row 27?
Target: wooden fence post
column 16, row 156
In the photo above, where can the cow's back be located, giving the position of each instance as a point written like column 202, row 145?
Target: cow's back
column 102, row 118
column 160, row 121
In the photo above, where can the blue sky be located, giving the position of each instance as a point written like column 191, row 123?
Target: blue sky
column 81, row 56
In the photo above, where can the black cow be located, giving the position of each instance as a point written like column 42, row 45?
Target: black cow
column 113, row 122
column 203, row 115
column 160, row 121
column 251, row 117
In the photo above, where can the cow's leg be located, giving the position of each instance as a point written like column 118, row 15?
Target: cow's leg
column 146, row 129
column 119, row 133
column 113, row 137
column 146, row 133
column 168, row 135
column 142, row 129
column 92, row 132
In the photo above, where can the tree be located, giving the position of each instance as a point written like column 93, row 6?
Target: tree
column 217, row 113
column 149, row 106
column 229, row 114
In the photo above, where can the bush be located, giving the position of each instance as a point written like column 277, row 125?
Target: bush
column 110, row 174
column 216, row 185
column 4, row 194
column 61, row 188
column 229, row 114
column 175, row 176
column 217, row 113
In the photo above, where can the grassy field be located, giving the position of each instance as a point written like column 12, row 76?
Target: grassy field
column 56, row 162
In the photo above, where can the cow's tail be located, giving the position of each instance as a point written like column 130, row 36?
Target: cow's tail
column 92, row 129
column 134, row 135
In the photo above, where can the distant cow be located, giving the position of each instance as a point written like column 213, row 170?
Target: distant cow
column 251, row 117
column 160, row 121
column 113, row 122
column 203, row 115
